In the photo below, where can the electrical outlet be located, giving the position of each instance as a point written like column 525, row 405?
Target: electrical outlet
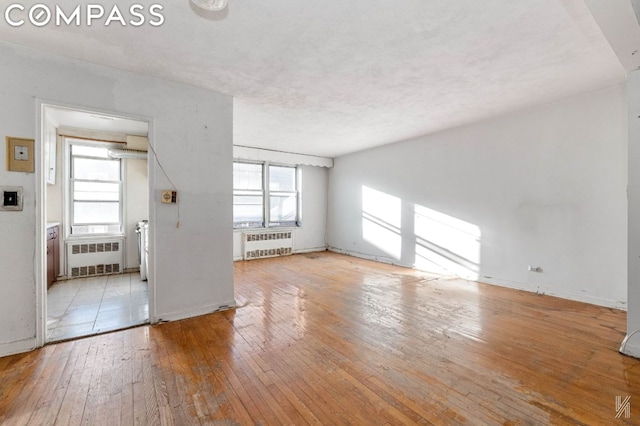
column 535, row 268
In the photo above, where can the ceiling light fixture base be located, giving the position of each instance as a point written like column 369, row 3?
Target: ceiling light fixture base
column 212, row 5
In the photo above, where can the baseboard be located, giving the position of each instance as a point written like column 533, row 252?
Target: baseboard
column 549, row 291
column 366, row 256
column 585, row 298
column 631, row 344
column 204, row 310
column 301, row 251
column 310, row 250
column 578, row 297
column 18, row 347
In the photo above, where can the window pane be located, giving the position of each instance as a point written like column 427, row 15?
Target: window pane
column 283, row 208
column 96, row 191
column 90, row 169
column 95, row 229
column 89, row 151
column 282, row 178
column 88, row 212
column 247, row 176
column 247, row 210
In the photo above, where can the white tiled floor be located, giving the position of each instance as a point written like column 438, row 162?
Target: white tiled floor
column 87, row 306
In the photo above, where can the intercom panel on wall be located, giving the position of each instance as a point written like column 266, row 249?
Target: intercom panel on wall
column 10, row 198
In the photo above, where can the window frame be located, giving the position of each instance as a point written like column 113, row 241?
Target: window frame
column 250, row 192
column 70, row 186
column 296, row 192
column 267, row 193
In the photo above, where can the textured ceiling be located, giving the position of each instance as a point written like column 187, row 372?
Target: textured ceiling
column 332, row 77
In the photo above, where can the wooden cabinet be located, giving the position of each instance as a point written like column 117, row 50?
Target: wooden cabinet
column 53, row 254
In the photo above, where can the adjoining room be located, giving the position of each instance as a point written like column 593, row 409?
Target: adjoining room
column 97, row 213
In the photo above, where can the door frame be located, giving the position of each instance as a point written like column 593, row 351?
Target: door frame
column 41, row 214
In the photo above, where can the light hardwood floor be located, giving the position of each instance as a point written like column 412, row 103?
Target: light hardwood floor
column 328, row 339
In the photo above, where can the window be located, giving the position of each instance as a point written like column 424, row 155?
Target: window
column 248, row 195
column 95, row 188
column 264, row 195
column 283, row 196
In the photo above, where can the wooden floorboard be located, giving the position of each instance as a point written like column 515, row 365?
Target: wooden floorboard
column 328, row 339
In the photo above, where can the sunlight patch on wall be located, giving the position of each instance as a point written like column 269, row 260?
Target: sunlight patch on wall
column 382, row 221
column 445, row 244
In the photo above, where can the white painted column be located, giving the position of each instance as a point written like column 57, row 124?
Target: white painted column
column 631, row 344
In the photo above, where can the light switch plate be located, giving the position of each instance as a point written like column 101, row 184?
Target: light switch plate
column 11, row 198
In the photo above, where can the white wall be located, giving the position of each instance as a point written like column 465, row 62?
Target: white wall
column 54, row 192
column 542, row 187
column 311, row 235
column 192, row 134
column 136, row 202
column 633, row 314
column 54, row 211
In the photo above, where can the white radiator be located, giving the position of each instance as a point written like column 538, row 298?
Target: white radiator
column 90, row 258
column 262, row 244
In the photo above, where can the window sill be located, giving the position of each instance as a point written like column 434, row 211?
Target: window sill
column 93, row 237
column 271, row 228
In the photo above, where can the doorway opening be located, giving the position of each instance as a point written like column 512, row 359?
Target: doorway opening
column 96, row 210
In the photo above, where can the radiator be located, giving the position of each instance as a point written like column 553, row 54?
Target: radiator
column 90, row 258
column 258, row 245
